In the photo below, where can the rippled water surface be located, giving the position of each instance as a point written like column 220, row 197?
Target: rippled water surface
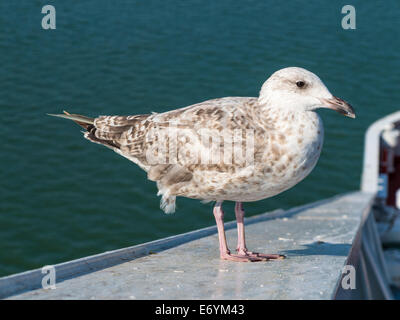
column 62, row 197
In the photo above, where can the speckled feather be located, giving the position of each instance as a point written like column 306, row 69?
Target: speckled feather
column 287, row 143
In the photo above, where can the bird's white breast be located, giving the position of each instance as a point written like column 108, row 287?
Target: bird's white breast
column 290, row 154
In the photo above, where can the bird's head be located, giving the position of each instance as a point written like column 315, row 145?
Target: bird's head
column 300, row 89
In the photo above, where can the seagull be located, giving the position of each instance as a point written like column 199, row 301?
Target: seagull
column 239, row 149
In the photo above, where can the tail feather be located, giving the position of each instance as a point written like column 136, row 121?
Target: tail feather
column 84, row 122
column 91, row 131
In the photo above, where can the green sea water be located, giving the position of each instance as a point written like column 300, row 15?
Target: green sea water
column 62, row 197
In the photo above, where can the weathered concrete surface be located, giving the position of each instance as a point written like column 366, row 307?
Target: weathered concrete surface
column 316, row 239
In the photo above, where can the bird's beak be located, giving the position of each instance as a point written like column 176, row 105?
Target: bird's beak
column 340, row 106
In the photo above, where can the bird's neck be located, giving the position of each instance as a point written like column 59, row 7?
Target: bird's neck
column 270, row 115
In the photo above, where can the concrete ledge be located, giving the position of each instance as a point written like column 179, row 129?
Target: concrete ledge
column 316, row 238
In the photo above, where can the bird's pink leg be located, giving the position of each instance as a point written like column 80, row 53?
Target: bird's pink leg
column 241, row 245
column 225, row 254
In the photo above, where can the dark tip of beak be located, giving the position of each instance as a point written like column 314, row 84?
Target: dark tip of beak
column 340, row 106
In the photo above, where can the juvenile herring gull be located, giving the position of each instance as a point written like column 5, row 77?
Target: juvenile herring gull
column 235, row 148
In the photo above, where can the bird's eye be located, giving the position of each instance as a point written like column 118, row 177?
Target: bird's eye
column 300, row 84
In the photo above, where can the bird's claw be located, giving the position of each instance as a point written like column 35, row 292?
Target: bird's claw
column 241, row 258
column 263, row 256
